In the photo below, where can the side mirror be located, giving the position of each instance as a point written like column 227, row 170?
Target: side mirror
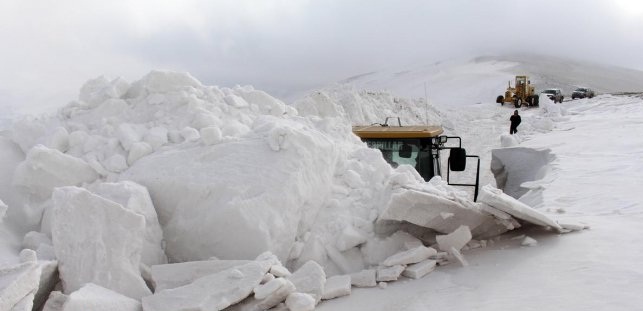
column 405, row 151
column 458, row 159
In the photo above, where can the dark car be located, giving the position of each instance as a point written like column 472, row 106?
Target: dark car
column 583, row 92
column 554, row 94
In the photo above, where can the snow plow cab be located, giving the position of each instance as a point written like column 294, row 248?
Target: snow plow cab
column 418, row 146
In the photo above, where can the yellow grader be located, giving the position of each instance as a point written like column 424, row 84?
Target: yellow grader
column 522, row 93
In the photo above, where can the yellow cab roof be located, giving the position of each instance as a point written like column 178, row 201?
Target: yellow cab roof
column 410, row 131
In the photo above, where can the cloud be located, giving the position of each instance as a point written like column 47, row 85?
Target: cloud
column 285, row 46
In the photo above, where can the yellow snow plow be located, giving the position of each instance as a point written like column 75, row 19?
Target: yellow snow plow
column 523, row 93
column 418, row 146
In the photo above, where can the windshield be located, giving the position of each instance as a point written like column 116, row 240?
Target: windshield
column 549, row 91
column 580, row 89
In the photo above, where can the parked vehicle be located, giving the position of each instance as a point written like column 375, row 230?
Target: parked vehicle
column 554, row 94
column 583, row 92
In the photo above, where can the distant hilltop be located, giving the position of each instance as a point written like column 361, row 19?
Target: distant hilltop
column 481, row 79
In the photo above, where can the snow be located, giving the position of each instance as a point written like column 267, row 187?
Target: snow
column 233, row 172
column 364, row 278
column 337, row 286
column 97, row 241
column 16, row 282
column 309, row 279
column 420, row 269
column 94, row 297
column 300, row 302
column 410, row 256
column 213, row 292
column 392, row 273
column 456, row 239
column 179, row 274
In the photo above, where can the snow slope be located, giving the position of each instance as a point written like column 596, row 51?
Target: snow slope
column 462, row 82
column 594, row 178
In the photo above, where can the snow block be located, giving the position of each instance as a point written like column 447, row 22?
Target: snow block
column 203, row 193
column 48, row 280
column 364, row 278
column 97, row 241
column 180, row 274
column 426, row 209
column 497, row 199
column 300, row 302
column 55, row 302
column 25, row 304
column 337, row 286
column 44, row 169
column 387, row 274
column 96, row 298
column 213, row 292
column 16, row 282
column 420, row 269
column 310, row 279
column 266, row 296
column 135, row 198
column 410, row 256
column 458, row 239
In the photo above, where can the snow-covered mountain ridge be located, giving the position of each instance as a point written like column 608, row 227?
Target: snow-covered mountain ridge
column 481, row 79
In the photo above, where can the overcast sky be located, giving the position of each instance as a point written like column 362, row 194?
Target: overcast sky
column 50, row 48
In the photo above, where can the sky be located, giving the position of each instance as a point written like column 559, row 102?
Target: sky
column 286, row 47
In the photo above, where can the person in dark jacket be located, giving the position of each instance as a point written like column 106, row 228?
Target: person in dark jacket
column 515, row 121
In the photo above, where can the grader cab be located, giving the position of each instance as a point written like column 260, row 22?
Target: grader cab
column 418, row 146
column 523, row 93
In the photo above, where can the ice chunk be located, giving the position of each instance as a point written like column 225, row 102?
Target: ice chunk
column 156, row 137
column 116, row 163
column 25, row 304
column 266, row 296
column 458, row 256
column 235, row 101
column 364, row 278
column 337, row 286
column 135, row 198
column 210, row 135
column 97, row 90
column 570, row 226
column 128, row 134
column 300, row 302
column 96, row 298
column 426, row 209
column 279, row 271
column 458, row 239
column 376, row 250
column 137, row 151
column 59, row 139
column 190, row 134
column 410, row 256
column 386, row 274
column 44, row 169
column 528, row 241
column 497, row 199
column 16, row 282
column 97, row 241
column 420, row 269
column 180, row 274
column 213, row 292
column 55, row 302
column 349, row 238
column 48, row 280
column 310, row 279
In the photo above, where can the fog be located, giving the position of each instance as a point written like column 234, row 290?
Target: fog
column 49, row 48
